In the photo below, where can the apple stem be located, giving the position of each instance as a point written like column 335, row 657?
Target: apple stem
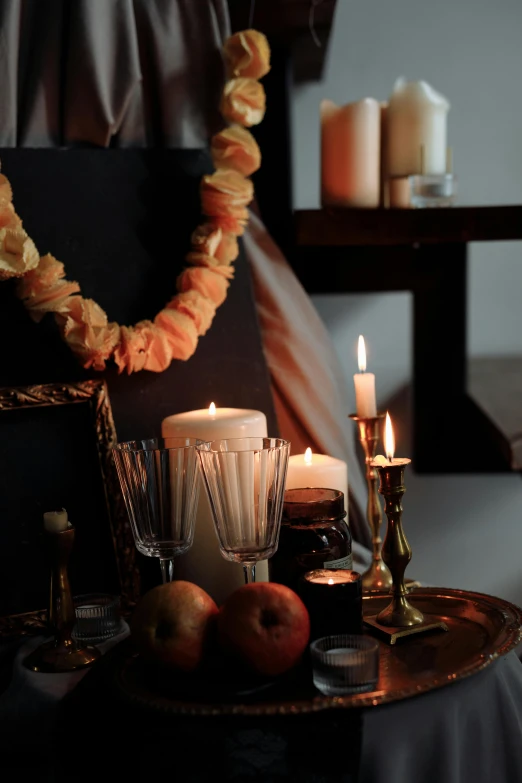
column 167, row 570
column 250, row 572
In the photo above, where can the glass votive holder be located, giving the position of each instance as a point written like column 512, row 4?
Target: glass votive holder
column 97, row 617
column 345, row 664
column 333, row 598
column 433, row 190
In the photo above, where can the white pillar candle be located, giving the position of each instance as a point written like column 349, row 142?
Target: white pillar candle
column 350, row 153
column 56, row 521
column 416, row 120
column 203, row 563
column 365, row 401
column 318, row 470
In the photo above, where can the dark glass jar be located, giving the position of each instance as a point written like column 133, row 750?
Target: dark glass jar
column 313, row 535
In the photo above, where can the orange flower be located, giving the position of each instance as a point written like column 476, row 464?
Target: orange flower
column 142, row 347
column 88, row 333
column 228, row 249
column 18, row 253
column 197, row 306
column 206, row 282
column 180, row 331
column 206, row 238
column 235, row 148
column 43, row 289
column 243, row 101
column 201, row 259
column 225, row 193
column 247, row 54
column 230, row 225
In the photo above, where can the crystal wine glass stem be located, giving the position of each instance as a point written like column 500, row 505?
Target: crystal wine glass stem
column 250, row 572
column 167, row 569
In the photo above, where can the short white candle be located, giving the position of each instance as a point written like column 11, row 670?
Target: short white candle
column 56, row 521
column 365, row 401
column 416, row 119
column 350, row 153
column 318, row 470
column 389, row 446
column 203, row 563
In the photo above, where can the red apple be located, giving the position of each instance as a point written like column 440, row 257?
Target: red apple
column 266, row 625
column 171, row 624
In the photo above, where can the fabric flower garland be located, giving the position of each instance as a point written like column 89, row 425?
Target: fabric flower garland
column 202, row 286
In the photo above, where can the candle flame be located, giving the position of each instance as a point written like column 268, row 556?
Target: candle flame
column 212, row 409
column 330, row 581
column 308, row 456
column 361, row 354
column 389, row 439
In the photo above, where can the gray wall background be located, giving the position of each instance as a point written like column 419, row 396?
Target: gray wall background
column 466, row 531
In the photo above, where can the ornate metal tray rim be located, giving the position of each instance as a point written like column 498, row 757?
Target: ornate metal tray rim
column 512, row 635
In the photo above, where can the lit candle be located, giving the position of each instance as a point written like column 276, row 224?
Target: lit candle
column 350, row 153
column 318, row 470
column 334, row 601
column 203, row 563
column 389, row 447
column 364, row 386
column 56, row 521
column 416, row 121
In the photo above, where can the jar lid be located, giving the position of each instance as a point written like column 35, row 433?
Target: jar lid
column 313, row 504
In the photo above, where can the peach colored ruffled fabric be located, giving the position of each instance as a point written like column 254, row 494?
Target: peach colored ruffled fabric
column 247, row 53
column 196, row 306
column 226, row 194
column 235, row 148
column 85, row 328
column 243, row 101
column 208, row 282
column 44, row 290
column 142, row 347
column 18, row 253
column 180, row 332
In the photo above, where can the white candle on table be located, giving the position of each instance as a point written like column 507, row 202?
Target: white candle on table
column 364, row 386
column 203, row 563
column 56, row 521
column 350, row 153
column 416, row 119
column 318, row 470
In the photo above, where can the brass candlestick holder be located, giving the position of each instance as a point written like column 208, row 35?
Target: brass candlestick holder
column 399, row 618
column 62, row 653
column 377, row 578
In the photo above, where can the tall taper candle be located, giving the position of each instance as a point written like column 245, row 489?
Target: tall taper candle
column 364, row 386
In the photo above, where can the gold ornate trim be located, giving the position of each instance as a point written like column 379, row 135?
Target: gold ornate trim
column 95, row 392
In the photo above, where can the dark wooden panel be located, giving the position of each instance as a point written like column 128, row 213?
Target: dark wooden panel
column 121, row 221
column 371, row 227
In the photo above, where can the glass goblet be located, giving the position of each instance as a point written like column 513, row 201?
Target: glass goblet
column 245, row 481
column 161, row 488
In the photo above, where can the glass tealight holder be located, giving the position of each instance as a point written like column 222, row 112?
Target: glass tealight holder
column 97, row 617
column 432, row 190
column 345, row 664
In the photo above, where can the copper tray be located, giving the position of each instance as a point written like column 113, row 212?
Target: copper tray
column 481, row 628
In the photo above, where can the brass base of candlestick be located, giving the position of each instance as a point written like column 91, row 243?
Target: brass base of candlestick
column 377, row 578
column 63, row 653
column 52, row 659
column 391, row 634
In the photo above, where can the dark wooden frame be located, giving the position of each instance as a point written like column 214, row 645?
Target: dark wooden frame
column 95, row 393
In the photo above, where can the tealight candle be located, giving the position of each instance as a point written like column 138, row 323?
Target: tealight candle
column 56, row 521
column 334, row 601
column 365, row 401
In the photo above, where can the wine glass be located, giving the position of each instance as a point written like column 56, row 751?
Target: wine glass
column 245, row 481
column 161, row 489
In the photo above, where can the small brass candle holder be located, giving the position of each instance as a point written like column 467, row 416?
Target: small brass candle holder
column 62, row 653
column 377, row 578
column 399, row 618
